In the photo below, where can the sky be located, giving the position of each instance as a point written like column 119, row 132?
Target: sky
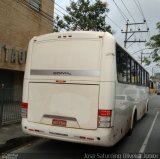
column 148, row 9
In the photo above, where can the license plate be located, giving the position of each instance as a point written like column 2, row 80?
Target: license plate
column 58, row 122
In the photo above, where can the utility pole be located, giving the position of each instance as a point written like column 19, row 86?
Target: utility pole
column 125, row 41
column 132, row 32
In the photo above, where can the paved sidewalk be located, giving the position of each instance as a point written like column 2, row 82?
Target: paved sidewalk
column 9, row 132
column 11, row 136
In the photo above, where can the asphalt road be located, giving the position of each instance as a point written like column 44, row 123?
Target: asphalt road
column 144, row 139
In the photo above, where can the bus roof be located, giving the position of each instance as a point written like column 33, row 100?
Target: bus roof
column 73, row 34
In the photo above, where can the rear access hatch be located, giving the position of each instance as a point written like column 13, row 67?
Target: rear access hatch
column 67, row 105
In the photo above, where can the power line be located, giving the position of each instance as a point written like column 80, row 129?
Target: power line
column 60, row 7
column 132, row 48
column 139, row 46
column 114, row 22
column 121, row 12
column 128, row 11
column 124, row 16
column 140, row 9
column 136, row 30
column 42, row 13
column 58, row 15
column 131, row 17
column 65, row 11
column 141, row 12
column 141, row 50
column 144, row 18
column 133, row 20
column 59, row 11
column 130, row 45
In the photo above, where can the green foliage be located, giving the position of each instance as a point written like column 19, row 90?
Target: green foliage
column 155, row 44
column 58, row 24
column 82, row 15
column 146, row 61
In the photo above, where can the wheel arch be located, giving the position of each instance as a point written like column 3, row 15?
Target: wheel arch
column 134, row 116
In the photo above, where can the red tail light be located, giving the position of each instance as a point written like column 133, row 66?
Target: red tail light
column 104, row 118
column 24, row 110
column 24, row 105
column 104, row 112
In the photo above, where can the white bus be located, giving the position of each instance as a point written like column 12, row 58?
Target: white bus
column 82, row 87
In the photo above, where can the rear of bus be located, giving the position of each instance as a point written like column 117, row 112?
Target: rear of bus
column 69, row 87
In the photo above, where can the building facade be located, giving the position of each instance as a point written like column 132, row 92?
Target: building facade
column 20, row 20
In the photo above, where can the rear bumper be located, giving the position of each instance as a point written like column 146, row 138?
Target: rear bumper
column 99, row 137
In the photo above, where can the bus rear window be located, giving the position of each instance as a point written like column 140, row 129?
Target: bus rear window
column 66, row 55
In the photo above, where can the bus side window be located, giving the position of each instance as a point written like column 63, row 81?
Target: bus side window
column 121, row 58
column 128, row 70
column 119, row 66
column 132, row 72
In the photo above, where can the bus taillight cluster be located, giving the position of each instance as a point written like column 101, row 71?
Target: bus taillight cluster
column 104, row 118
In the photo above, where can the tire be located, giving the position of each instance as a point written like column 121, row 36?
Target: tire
column 130, row 131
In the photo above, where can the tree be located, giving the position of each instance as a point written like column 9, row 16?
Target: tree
column 82, row 15
column 155, row 44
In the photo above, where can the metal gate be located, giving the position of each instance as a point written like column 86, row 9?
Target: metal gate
column 10, row 100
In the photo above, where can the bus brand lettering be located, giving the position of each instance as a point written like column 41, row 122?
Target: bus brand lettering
column 62, row 73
